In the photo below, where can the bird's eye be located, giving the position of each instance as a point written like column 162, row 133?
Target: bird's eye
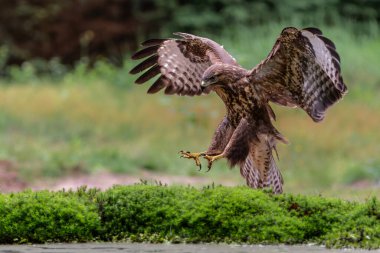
column 213, row 79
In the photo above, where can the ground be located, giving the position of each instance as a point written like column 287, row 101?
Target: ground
column 11, row 181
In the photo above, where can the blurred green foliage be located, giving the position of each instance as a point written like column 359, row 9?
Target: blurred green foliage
column 73, row 29
column 149, row 213
column 368, row 171
column 216, row 15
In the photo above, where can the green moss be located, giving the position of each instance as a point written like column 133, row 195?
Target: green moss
column 47, row 216
column 186, row 214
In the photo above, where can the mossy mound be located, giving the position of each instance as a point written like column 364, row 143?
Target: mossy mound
column 186, row 214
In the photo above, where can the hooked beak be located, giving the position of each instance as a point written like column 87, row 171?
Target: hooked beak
column 205, row 85
column 207, row 82
column 202, row 86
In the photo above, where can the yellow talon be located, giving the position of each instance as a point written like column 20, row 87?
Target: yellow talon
column 194, row 156
column 211, row 159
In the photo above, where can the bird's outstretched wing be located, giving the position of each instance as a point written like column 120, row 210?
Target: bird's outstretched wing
column 303, row 69
column 180, row 62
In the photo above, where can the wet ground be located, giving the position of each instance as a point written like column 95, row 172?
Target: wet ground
column 168, row 248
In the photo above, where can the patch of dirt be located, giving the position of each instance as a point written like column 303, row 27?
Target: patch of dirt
column 11, row 181
column 105, row 179
column 9, row 177
column 362, row 184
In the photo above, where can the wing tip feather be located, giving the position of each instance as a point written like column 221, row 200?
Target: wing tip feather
column 327, row 41
column 313, row 30
column 145, row 52
column 158, row 85
column 153, row 42
column 149, row 62
column 149, row 74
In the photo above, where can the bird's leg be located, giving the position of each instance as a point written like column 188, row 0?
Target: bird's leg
column 211, row 159
column 194, row 156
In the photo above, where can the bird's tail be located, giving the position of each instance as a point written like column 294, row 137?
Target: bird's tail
column 260, row 169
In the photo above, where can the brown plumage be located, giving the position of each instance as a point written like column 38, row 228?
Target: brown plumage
column 302, row 70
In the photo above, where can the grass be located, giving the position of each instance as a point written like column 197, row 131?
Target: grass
column 148, row 213
column 91, row 120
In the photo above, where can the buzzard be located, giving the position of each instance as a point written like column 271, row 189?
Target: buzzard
column 302, row 70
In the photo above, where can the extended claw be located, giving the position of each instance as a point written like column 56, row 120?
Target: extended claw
column 194, row 156
column 210, row 159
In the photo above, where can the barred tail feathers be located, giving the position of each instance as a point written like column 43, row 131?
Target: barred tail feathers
column 260, row 169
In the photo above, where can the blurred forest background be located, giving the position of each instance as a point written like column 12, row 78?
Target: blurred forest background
column 69, row 109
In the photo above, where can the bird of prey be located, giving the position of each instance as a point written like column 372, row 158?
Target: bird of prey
column 302, row 70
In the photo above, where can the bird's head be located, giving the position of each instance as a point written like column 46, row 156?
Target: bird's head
column 221, row 75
